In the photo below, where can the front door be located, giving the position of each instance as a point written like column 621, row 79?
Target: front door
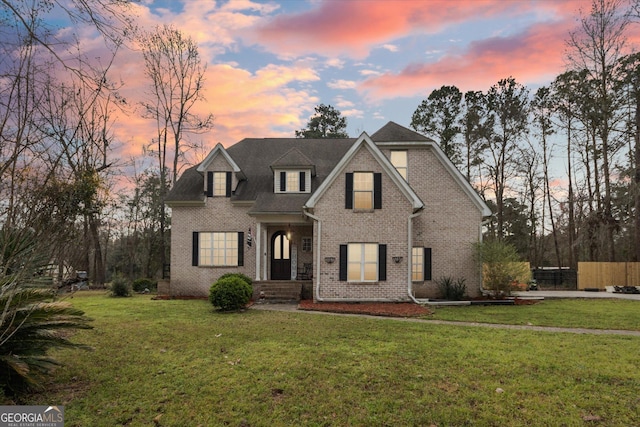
column 280, row 257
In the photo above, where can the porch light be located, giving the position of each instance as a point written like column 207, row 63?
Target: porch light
column 397, row 259
column 329, row 259
column 289, row 233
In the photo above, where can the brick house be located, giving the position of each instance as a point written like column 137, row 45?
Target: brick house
column 377, row 218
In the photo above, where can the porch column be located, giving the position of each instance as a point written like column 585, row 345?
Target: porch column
column 258, row 241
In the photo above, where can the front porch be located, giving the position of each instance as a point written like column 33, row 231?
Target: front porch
column 284, row 250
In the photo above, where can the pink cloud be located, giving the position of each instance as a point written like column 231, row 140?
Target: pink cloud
column 354, row 27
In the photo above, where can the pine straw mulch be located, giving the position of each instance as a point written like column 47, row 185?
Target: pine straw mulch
column 389, row 309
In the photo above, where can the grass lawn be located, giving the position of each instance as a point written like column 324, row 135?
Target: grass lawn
column 568, row 313
column 180, row 363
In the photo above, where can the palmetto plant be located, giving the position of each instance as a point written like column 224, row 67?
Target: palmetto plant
column 32, row 321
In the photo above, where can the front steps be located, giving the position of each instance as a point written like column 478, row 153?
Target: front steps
column 272, row 291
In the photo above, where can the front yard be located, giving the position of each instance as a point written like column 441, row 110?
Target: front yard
column 180, row 363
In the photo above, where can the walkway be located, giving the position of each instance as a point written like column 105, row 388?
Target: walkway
column 293, row 307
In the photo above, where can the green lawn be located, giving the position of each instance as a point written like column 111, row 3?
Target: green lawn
column 568, row 313
column 183, row 364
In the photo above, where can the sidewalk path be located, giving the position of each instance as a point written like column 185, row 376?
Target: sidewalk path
column 293, row 307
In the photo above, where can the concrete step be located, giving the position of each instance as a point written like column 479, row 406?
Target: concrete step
column 277, row 291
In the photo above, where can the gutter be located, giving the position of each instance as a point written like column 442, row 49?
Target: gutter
column 483, row 291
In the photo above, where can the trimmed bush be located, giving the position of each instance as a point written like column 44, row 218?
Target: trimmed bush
column 139, row 285
column 230, row 293
column 238, row 275
column 120, row 287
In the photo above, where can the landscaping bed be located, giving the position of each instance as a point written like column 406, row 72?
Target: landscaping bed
column 390, row 309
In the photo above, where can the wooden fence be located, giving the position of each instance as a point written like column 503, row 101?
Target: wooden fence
column 598, row 275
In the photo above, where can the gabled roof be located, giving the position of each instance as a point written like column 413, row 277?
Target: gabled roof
column 293, row 159
column 393, row 135
column 218, row 149
column 365, row 141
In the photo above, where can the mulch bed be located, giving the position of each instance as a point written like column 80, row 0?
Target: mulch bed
column 389, row 309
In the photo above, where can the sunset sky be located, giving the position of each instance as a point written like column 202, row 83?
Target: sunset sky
column 270, row 62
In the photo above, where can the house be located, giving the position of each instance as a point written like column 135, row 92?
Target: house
column 377, row 218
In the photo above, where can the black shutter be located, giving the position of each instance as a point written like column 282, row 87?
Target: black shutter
column 283, row 181
column 195, row 249
column 228, row 190
column 209, row 184
column 348, row 191
column 343, row 263
column 382, row 262
column 303, row 183
column 377, row 191
column 427, row 263
column 240, row 248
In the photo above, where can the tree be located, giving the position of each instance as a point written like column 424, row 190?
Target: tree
column 475, row 122
column 438, row 117
column 542, row 108
column 508, row 105
column 629, row 78
column 595, row 48
column 176, row 73
column 327, row 122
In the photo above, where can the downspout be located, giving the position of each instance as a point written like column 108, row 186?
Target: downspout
column 410, row 254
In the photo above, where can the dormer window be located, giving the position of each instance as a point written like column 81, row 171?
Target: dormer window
column 218, row 184
column 292, row 181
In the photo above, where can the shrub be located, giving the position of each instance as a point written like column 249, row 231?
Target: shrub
column 452, row 290
column 238, row 275
column 501, row 267
column 230, row 293
column 139, row 285
column 120, row 287
column 32, row 322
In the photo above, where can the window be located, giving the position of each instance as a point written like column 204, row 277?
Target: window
column 362, row 264
column 363, row 190
column 420, row 264
column 292, row 181
column 399, row 160
column 218, row 184
column 307, row 244
column 417, row 264
column 218, row 249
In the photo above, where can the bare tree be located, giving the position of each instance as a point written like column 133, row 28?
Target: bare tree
column 175, row 70
column 508, row 104
column 596, row 47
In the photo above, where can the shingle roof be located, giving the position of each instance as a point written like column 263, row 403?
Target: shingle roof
column 393, row 132
column 256, row 155
column 189, row 188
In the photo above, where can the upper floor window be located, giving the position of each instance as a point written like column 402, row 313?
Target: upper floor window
column 292, row 182
column 399, row 160
column 363, row 191
column 218, row 184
